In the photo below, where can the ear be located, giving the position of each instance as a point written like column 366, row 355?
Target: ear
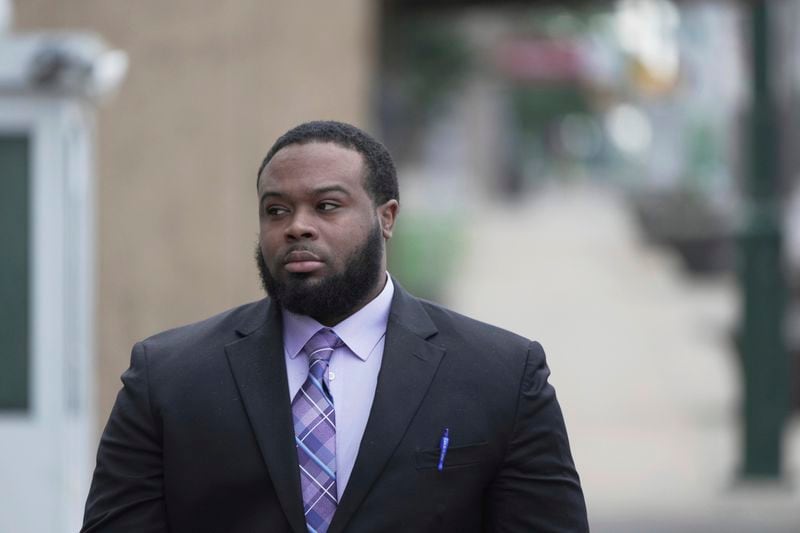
column 387, row 215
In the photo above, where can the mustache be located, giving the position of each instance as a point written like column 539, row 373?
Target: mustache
column 300, row 248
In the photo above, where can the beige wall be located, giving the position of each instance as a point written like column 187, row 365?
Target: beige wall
column 210, row 86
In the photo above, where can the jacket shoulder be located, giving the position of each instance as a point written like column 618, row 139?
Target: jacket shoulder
column 215, row 331
column 476, row 333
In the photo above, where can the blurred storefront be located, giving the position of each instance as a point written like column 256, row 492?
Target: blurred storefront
column 687, row 108
column 50, row 86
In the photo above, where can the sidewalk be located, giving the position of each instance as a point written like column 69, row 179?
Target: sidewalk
column 641, row 359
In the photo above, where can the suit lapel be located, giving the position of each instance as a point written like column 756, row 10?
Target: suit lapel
column 409, row 364
column 259, row 369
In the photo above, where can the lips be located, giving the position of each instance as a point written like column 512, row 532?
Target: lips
column 302, row 261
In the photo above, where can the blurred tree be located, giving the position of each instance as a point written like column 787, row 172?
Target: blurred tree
column 425, row 59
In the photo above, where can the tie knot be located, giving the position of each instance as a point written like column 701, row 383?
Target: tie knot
column 321, row 345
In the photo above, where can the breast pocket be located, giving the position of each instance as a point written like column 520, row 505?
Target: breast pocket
column 456, row 456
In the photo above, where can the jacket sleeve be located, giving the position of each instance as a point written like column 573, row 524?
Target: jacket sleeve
column 127, row 488
column 537, row 487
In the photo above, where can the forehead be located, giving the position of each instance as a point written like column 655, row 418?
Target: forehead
column 314, row 163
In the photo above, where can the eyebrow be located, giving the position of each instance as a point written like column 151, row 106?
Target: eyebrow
column 317, row 191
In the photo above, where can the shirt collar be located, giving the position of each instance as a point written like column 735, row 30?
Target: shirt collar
column 361, row 331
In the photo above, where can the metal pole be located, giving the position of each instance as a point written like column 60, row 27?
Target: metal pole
column 764, row 355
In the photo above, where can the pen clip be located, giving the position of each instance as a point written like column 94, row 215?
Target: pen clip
column 444, row 442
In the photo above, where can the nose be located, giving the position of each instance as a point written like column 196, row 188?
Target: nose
column 301, row 226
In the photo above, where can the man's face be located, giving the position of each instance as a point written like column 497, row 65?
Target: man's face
column 321, row 246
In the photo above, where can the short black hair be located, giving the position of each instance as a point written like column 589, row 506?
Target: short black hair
column 381, row 178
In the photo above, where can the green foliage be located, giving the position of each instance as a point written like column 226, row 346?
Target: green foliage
column 424, row 250
column 536, row 106
column 433, row 57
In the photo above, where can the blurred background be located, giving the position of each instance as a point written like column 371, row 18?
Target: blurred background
column 616, row 179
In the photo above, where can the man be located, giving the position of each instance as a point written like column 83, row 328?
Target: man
column 341, row 402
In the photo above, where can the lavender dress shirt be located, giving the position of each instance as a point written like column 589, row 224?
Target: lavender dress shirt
column 352, row 372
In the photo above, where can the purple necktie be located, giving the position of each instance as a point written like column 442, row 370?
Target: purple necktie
column 315, row 434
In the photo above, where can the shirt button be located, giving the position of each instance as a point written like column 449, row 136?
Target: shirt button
column 331, row 376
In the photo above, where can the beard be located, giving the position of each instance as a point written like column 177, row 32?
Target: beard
column 336, row 296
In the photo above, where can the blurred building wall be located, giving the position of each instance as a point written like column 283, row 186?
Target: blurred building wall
column 210, row 86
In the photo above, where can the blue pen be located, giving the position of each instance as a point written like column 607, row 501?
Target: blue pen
column 443, row 443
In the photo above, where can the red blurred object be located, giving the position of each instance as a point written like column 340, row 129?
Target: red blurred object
column 541, row 60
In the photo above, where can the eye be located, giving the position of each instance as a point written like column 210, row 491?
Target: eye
column 275, row 210
column 327, row 205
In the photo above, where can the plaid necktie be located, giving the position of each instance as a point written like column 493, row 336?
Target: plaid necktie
column 315, row 434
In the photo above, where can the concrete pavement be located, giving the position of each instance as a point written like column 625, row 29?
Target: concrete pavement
column 641, row 358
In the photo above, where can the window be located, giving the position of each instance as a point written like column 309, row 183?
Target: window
column 14, row 272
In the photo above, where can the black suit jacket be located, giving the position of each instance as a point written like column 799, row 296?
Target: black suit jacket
column 201, row 437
